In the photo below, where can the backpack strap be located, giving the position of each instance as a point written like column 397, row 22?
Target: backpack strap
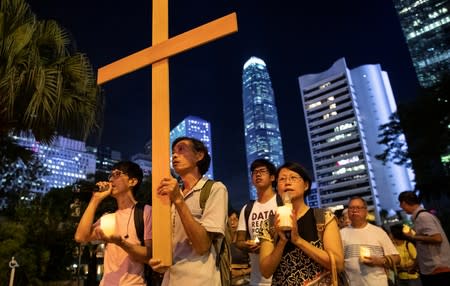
column 421, row 211
column 247, row 211
column 205, row 191
column 139, row 221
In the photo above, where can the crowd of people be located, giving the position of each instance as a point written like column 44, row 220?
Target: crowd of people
column 264, row 251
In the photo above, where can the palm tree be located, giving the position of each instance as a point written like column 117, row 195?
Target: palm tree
column 45, row 87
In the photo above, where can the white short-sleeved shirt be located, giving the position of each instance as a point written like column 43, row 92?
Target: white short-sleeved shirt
column 258, row 215
column 119, row 268
column 379, row 243
column 188, row 267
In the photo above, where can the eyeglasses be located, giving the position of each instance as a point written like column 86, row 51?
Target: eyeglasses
column 115, row 174
column 356, row 208
column 260, row 171
column 293, row 179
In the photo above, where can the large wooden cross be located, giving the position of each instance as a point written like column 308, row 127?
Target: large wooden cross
column 157, row 55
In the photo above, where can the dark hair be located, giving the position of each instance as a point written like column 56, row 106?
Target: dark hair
column 397, row 232
column 408, row 197
column 299, row 169
column 233, row 211
column 263, row 163
column 198, row 146
column 132, row 170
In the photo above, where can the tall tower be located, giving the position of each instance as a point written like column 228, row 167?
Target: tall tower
column 343, row 109
column 426, row 26
column 197, row 128
column 262, row 133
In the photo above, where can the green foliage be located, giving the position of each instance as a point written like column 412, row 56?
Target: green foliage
column 425, row 123
column 45, row 85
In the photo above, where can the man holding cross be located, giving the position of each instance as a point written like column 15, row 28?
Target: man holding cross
column 194, row 229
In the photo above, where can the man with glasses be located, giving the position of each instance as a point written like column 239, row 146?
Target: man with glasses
column 194, row 228
column 366, row 248
column 255, row 213
column 124, row 255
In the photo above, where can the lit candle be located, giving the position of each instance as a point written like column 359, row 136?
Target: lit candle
column 108, row 224
column 364, row 252
column 284, row 214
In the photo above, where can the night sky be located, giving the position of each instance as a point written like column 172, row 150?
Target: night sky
column 293, row 38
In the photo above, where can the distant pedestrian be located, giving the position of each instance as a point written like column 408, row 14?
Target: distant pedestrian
column 433, row 248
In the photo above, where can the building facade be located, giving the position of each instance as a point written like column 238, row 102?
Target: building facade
column 426, row 27
column 262, row 132
column 343, row 110
column 66, row 159
column 197, row 128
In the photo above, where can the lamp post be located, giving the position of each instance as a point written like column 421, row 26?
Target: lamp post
column 13, row 265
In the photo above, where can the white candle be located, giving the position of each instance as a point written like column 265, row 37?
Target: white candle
column 108, row 224
column 364, row 252
column 284, row 214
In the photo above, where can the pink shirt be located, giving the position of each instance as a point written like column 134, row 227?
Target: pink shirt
column 119, row 269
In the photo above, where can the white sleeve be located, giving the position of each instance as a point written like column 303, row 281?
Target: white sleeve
column 242, row 226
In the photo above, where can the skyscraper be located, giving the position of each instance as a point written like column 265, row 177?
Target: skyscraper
column 262, row 133
column 198, row 128
column 343, row 110
column 66, row 160
column 426, row 26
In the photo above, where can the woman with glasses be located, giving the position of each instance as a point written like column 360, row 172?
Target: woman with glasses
column 299, row 256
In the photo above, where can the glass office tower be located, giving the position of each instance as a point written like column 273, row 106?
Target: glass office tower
column 262, row 133
column 66, row 159
column 198, row 128
column 343, row 110
column 426, row 26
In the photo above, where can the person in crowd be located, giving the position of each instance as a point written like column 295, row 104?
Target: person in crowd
column 344, row 221
column 124, row 256
column 299, row 256
column 366, row 248
column 240, row 261
column 249, row 229
column 433, row 249
column 407, row 270
column 194, row 229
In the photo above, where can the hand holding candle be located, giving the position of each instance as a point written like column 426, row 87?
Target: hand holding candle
column 284, row 213
column 108, row 224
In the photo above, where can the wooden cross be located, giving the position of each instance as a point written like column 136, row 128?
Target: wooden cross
column 157, row 55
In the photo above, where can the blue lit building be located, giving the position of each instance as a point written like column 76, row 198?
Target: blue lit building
column 426, row 26
column 66, row 159
column 198, row 128
column 343, row 110
column 262, row 133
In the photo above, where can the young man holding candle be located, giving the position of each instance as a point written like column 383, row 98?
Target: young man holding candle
column 194, row 229
column 263, row 178
column 366, row 247
column 124, row 256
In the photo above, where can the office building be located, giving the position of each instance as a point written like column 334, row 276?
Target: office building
column 144, row 161
column 426, row 26
column 197, row 128
column 261, row 129
column 66, row 159
column 343, row 110
column 105, row 158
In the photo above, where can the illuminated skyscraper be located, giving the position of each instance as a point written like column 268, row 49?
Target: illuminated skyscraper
column 198, row 128
column 262, row 133
column 426, row 26
column 66, row 160
column 343, row 110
